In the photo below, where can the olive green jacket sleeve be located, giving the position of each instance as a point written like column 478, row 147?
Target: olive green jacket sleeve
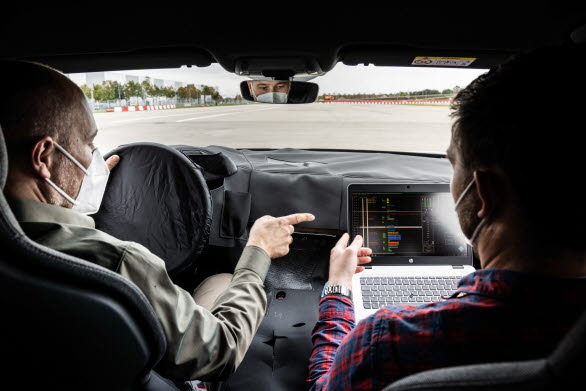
column 202, row 344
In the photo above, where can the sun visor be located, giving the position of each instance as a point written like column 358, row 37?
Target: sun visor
column 400, row 56
column 135, row 59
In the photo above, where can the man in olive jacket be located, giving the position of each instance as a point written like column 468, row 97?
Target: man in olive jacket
column 49, row 130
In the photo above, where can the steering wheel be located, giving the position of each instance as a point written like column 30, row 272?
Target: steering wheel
column 157, row 197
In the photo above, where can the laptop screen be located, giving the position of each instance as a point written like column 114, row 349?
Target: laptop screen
column 407, row 222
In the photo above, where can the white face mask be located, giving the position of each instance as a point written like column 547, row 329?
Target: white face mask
column 93, row 184
column 482, row 222
column 272, row 97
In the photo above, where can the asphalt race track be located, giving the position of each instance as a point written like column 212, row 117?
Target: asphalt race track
column 317, row 125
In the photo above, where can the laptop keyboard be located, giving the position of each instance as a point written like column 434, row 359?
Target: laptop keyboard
column 378, row 292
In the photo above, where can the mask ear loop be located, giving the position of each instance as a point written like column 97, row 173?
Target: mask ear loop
column 60, row 191
column 479, row 226
column 78, row 164
column 482, row 222
column 478, row 229
column 251, row 89
column 74, row 160
column 466, row 190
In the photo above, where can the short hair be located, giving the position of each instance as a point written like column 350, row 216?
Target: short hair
column 36, row 101
column 527, row 117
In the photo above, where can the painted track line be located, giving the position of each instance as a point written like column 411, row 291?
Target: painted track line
column 160, row 116
column 218, row 115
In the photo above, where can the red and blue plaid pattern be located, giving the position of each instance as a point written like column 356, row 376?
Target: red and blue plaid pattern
column 495, row 315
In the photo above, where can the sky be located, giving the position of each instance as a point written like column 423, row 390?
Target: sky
column 341, row 79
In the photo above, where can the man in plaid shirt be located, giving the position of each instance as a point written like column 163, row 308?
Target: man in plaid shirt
column 527, row 232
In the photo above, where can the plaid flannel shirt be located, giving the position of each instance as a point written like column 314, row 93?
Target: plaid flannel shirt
column 494, row 315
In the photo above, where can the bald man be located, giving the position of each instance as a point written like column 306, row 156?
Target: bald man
column 56, row 178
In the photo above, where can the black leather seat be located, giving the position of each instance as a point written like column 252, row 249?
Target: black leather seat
column 68, row 324
column 564, row 369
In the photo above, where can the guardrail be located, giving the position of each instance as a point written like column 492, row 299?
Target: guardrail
column 392, row 102
column 140, row 108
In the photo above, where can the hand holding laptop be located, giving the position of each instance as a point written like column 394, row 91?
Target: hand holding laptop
column 345, row 260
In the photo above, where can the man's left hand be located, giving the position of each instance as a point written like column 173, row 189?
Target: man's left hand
column 345, row 260
column 112, row 161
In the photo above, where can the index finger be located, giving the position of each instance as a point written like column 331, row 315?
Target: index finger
column 343, row 242
column 296, row 218
column 357, row 242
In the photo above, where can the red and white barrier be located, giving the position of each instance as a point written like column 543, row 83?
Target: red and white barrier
column 392, row 102
column 141, row 108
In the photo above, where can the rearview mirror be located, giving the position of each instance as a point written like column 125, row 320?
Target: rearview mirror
column 279, row 91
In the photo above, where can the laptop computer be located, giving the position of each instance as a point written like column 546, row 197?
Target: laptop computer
column 419, row 252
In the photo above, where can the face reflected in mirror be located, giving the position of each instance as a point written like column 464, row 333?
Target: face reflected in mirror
column 269, row 91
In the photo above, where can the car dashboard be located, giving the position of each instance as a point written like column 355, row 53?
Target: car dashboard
column 285, row 181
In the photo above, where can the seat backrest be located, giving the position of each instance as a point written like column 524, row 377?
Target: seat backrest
column 564, row 369
column 68, row 324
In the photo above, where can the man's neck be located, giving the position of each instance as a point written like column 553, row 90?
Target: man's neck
column 509, row 255
column 25, row 190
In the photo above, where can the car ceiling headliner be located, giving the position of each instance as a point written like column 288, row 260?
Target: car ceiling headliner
column 114, row 38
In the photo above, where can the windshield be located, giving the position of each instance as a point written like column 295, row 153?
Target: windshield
column 358, row 108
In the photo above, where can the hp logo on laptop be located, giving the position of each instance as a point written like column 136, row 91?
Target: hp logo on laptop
column 410, row 260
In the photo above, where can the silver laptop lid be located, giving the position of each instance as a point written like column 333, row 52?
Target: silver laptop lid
column 407, row 224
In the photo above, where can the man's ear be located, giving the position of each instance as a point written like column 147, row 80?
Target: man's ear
column 490, row 189
column 42, row 157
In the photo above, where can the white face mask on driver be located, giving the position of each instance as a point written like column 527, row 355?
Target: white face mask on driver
column 272, row 97
column 93, row 185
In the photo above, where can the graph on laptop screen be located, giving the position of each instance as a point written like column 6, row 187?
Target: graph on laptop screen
column 408, row 224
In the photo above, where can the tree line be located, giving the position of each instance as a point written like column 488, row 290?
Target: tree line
column 112, row 90
column 397, row 95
